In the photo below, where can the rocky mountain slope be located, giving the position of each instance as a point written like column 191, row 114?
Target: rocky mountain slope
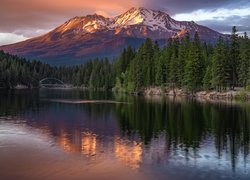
column 91, row 36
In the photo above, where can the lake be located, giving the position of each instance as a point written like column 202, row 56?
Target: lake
column 71, row 134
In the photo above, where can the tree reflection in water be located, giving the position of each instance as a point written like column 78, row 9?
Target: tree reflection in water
column 143, row 132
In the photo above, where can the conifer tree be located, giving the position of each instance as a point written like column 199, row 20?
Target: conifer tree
column 138, row 72
column 182, row 58
column 234, row 58
column 167, row 55
column 220, row 66
column 159, row 67
column 207, row 80
column 147, row 62
column 194, row 68
column 244, row 63
column 160, row 76
column 173, row 74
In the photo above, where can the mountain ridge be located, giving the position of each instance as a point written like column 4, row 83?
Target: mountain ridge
column 92, row 36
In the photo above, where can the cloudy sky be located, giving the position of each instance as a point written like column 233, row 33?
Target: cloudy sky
column 23, row 19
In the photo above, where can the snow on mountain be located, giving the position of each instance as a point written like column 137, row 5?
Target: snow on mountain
column 89, row 23
column 140, row 16
column 91, row 36
column 136, row 22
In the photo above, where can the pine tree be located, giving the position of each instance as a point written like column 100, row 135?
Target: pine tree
column 148, row 62
column 126, row 56
column 173, row 74
column 207, row 80
column 130, row 77
column 160, row 77
column 158, row 66
column 220, row 66
column 156, row 61
column 194, row 68
column 167, row 55
column 234, row 58
column 138, row 72
column 244, row 63
column 182, row 57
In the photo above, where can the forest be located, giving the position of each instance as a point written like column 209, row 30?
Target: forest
column 186, row 63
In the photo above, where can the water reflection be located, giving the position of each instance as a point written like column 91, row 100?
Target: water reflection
column 159, row 137
column 189, row 124
column 89, row 144
column 130, row 152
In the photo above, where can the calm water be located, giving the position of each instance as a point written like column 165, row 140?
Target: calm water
column 55, row 134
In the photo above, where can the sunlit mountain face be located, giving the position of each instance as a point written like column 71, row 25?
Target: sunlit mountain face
column 91, row 36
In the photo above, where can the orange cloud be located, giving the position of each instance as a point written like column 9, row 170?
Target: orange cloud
column 46, row 14
column 103, row 13
column 25, row 17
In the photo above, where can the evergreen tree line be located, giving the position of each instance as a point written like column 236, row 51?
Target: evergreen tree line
column 187, row 63
column 14, row 70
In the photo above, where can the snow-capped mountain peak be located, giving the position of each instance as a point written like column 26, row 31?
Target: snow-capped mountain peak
column 152, row 19
column 131, row 17
column 87, row 24
column 143, row 16
column 96, row 36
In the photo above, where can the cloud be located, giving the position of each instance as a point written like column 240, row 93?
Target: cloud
column 20, row 15
column 103, row 13
column 220, row 19
column 29, row 18
column 9, row 38
column 186, row 6
column 219, row 14
column 225, row 26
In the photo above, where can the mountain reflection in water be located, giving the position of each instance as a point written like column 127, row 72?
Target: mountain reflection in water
column 160, row 138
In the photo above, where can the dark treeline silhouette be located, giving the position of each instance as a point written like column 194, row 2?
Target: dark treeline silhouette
column 187, row 63
column 15, row 70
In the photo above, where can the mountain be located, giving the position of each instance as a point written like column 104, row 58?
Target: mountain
column 81, row 38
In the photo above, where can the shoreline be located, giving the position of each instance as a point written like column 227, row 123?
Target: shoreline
column 229, row 95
